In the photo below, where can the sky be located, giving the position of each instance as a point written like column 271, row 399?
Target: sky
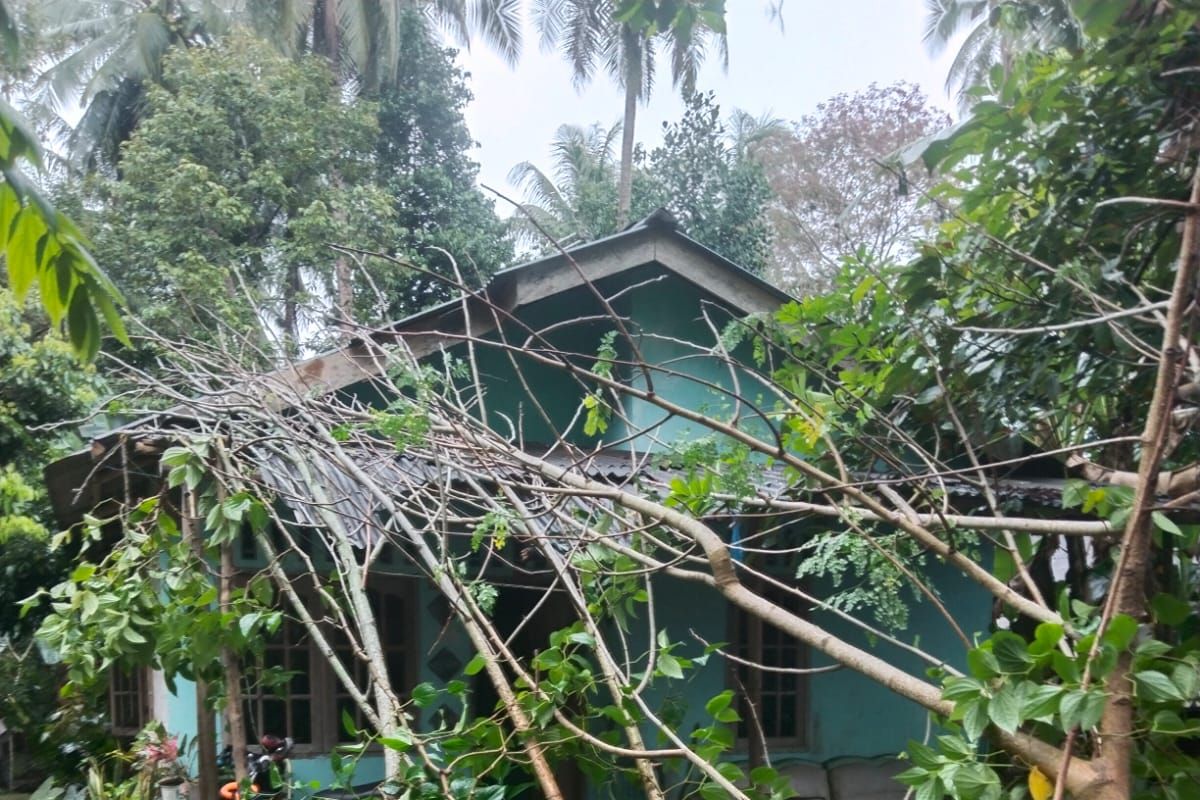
column 823, row 49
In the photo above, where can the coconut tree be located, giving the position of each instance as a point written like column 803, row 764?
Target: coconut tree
column 622, row 39
column 997, row 31
column 577, row 202
column 100, row 54
column 363, row 38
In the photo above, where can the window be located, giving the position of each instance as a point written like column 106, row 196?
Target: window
column 280, row 700
column 128, row 701
column 391, row 615
column 292, row 691
column 773, row 702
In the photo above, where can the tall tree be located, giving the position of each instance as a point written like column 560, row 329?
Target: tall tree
column 363, row 42
column 623, row 38
column 101, row 55
column 423, row 164
column 839, row 188
column 365, row 39
column 705, row 177
column 225, row 208
column 703, row 173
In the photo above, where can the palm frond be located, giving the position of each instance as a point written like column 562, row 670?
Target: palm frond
column 945, row 18
column 537, row 187
column 687, row 54
column 452, row 16
column 549, row 21
column 499, row 22
column 974, row 58
column 356, row 35
column 150, row 40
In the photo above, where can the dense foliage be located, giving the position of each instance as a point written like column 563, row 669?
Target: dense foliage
column 423, row 164
column 224, row 206
column 967, row 353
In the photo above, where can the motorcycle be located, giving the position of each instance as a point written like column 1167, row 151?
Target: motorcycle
column 267, row 770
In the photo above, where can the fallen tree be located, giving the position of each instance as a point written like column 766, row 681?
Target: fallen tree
column 1049, row 328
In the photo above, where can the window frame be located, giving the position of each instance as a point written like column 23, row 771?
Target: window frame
column 139, row 690
column 738, row 621
column 324, row 687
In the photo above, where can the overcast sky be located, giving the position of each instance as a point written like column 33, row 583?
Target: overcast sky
column 822, row 50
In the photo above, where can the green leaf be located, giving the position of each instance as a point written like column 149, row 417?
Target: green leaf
column 982, row 664
column 400, row 742
column 474, row 666
column 246, row 624
column 89, row 603
column 1170, row 610
column 975, row 718
column 1041, row 701
column 1046, row 638
column 1165, row 523
column 1122, row 630
column 1011, row 653
column 1155, row 687
column 669, row 665
column 423, row 694
column 961, row 688
column 83, row 572
column 1099, row 17
column 719, row 703
column 1070, row 708
column 24, row 267
column 1005, row 709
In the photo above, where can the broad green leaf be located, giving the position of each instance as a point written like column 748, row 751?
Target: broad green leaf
column 1165, row 523
column 669, row 665
column 1121, row 631
column 1005, row 709
column 1155, row 687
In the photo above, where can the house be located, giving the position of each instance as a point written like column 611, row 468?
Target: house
column 836, row 733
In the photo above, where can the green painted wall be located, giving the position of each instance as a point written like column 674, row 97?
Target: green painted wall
column 848, row 714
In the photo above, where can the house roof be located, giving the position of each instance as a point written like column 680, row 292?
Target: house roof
column 656, row 239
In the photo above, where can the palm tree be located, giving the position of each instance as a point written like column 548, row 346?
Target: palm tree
column 999, row 30
column 362, row 38
column 101, row 54
column 578, row 202
column 591, row 33
column 745, row 131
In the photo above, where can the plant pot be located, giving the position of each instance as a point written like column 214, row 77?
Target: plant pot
column 168, row 789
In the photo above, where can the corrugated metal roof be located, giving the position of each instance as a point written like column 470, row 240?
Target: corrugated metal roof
column 363, row 515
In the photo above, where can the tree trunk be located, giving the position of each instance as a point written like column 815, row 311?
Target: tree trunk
column 206, row 743
column 343, row 277
column 329, row 46
column 633, row 86
column 234, row 716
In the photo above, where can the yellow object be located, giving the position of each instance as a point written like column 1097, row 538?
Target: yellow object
column 1040, row 787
